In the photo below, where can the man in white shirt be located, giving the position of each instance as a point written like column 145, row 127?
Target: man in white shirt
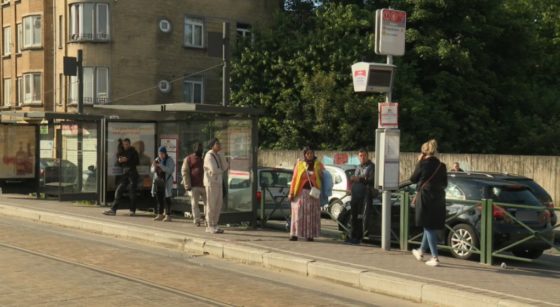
column 215, row 166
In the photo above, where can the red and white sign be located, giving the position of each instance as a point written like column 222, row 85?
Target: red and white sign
column 360, row 73
column 390, row 32
column 388, row 115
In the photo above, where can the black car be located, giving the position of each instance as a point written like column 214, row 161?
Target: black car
column 466, row 226
column 51, row 171
column 538, row 190
column 465, row 236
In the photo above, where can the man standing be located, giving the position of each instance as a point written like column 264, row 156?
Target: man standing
column 362, row 194
column 193, row 177
column 215, row 167
column 127, row 159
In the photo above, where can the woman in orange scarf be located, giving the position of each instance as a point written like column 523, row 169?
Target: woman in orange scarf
column 306, row 210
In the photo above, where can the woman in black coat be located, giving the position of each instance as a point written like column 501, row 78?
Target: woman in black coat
column 430, row 175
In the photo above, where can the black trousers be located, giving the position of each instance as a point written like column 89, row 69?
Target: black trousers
column 130, row 181
column 163, row 202
column 359, row 208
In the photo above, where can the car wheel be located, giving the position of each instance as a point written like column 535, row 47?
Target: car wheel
column 528, row 253
column 462, row 241
column 336, row 208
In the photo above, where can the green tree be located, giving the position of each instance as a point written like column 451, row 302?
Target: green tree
column 479, row 75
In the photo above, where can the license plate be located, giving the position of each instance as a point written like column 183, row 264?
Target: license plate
column 527, row 215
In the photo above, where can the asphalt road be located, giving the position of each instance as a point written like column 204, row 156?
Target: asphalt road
column 49, row 266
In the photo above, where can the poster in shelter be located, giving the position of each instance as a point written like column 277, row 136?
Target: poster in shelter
column 142, row 138
column 17, row 150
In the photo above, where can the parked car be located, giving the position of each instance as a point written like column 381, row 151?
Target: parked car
column 341, row 188
column 466, row 226
column 49, row 174
column 538, row 190
column 49, row 171
column 273, row 185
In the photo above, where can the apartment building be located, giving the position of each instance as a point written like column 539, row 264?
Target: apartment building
column 134, row 51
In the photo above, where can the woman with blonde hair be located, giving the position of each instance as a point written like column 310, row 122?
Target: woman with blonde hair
column 430, row 176
column 306, row 209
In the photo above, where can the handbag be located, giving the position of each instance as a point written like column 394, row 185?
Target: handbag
column 315, row 192
column 413, row 202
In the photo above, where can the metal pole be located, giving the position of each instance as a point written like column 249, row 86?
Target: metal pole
column 225, row 68
column 79, row 62
column 386, row 196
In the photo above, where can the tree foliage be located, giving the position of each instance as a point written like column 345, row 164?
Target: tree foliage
column 478, row 75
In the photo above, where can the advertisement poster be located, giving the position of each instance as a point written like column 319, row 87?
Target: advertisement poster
column 17, row 150
column 142, row 138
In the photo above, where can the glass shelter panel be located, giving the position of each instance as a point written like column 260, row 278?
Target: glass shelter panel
column 235, row 137
column 142, row 138
column 68, row 160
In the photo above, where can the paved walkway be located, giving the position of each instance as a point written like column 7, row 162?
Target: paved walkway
column 397, row 273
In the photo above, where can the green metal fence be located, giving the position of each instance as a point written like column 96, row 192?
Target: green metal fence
column 486, row 246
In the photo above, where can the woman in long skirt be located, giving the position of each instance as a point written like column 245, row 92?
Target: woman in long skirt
column 306, row 209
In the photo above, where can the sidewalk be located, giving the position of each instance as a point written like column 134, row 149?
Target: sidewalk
column 396, row 273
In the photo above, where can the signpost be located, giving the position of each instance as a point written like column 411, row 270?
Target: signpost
column 388, row 115
column 390, row 28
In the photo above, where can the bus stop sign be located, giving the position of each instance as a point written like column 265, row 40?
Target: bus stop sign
column 390, row 28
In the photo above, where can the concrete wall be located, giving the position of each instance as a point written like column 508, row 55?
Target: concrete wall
column 543, row 169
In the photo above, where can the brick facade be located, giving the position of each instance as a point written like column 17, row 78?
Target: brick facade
column 137, row 54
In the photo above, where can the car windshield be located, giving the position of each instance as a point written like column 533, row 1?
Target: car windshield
column 275, row 178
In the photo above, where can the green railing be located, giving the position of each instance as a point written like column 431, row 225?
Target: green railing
column 487, row 224
column 486, row 248
column 405, row 221
column 273, row 205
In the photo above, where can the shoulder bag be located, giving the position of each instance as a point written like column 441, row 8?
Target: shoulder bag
column 315, row 192
column 413, row 202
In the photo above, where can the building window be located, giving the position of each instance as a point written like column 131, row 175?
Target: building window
column 7, row 92
column 194, row 90
column 32, row 31
column 19, row 90
column 194, row 32
column 7, row 48
column 96, row 86
column 60, row 36
column 89, row 21
column 32, row 88
column 19, row 40
column 244, row 31
column 60, row 89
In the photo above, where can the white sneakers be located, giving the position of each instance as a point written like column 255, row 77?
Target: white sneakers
column 433, row 262
column 417, row 253
column 214, row 230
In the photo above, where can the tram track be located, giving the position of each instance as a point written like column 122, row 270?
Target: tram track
column 119, row 275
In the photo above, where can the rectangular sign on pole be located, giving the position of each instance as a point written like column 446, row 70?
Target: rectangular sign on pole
column 388, row 115
column 390, row 28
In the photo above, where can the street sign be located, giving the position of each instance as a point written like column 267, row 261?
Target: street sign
column 390, row 28
column 388, row 115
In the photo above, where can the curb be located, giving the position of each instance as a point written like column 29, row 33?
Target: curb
column 404, row 288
